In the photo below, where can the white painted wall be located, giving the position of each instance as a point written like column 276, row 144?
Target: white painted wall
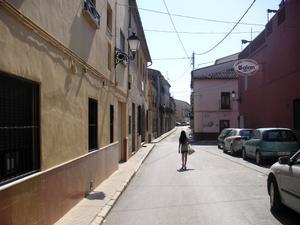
column 207, row 104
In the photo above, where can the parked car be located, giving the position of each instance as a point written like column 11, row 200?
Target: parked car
column 270, row 143
column 235, row 140
column 224, row 133
column 284, row 183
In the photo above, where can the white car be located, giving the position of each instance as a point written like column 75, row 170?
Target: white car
column 284, row 183
column 235, row 139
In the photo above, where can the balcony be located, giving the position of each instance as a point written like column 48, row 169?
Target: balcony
column 91, row 14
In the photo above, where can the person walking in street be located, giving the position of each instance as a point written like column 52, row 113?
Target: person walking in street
column 183, row 148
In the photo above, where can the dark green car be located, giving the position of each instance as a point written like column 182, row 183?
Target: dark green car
column 270, row 143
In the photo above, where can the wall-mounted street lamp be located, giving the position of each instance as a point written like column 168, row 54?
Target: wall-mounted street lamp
column 235, row 97
column 245, row 41
column 134, row 44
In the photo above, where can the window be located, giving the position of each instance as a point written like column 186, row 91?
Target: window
column 279, row 136
column 109, row 19
column 256, row 135
column 91, row 14
column 122, row 41
column 297, row 114
column 111, row 124
column 93, row 124
column 19, row 128
column 139, row 120
column 225, row 100
column 296, row 160
column 109, row 57
column 246, row 133
column 147, row 120
column 129, row 124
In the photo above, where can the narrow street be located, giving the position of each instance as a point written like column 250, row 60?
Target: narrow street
column 216, row 189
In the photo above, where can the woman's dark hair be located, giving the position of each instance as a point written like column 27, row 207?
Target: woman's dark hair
column 182, row 138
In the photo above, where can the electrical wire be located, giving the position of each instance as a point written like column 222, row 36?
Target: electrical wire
column 191, row 17
column 177, row 78
column 179, row 58
column 203, row 53
column 187, row 55
column 199, row 32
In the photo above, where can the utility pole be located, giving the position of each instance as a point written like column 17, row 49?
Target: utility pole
column 193, row 60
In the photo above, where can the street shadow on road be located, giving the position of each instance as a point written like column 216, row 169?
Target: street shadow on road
column 266, row 164
column 96, row 195
column 204, row 143
column 181, row 170
column 287, row 217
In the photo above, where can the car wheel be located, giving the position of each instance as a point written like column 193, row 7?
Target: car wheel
column 244, row 154
column 258, row 158
column 224, row 150
column 275, row 202
column 232, row 151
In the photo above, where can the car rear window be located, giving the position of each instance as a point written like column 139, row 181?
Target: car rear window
column 246, row 133
column 279, row 135
column 224, row 133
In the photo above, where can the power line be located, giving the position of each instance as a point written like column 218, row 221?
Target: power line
column 208, row 88
column 199, row 32
column 191, row 17
column 179, row 58
column 187, row 55
column 203, row 53
column 200, row 64
column 177, row 78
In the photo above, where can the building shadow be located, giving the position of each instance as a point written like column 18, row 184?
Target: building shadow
column 266, row 164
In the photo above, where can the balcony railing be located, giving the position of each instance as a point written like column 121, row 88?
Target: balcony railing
column 90, row 12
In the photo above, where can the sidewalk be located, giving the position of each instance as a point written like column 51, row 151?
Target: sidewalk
column 93, row 209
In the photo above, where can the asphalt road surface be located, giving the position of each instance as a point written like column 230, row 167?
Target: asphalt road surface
column 216, row 189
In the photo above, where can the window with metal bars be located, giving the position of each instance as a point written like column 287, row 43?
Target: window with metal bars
column 111, row 124
column 19, row 128
column 225, row 100
column 93, row 124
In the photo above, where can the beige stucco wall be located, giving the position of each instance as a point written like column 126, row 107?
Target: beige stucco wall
column 64, row 93
column 207, row 102
column 65, row 88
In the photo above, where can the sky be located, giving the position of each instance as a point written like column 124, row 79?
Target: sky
column 197, row 31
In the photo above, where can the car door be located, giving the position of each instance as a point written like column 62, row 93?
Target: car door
column 252, row 143
column 228, row 139
column 289, row 185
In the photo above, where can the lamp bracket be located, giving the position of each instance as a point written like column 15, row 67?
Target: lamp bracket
column 121, row 57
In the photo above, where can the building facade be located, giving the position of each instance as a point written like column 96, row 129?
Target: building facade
column 65, row 102
column 183, row 111
column 272, row 96
column 213, row 108
column 163, row 105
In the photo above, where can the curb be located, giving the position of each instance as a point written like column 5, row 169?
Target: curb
column 100, row 217
column 165, row 135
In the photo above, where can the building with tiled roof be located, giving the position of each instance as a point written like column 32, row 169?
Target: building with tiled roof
column 213, row 108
